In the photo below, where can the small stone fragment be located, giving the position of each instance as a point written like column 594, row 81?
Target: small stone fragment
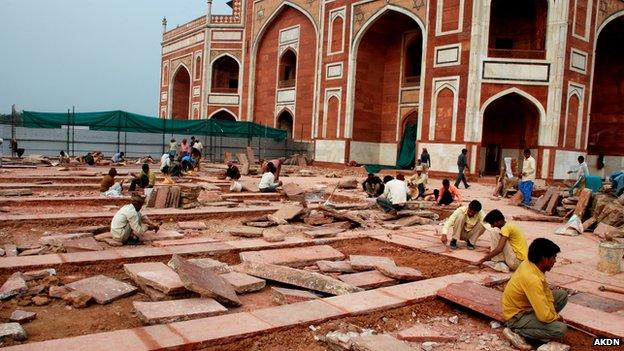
column 12, row 330
column 285, row 296
column 401, row 273
column 453, row 319
column 554, row 346
column 57, row 292
column 40, row 274
column 40, row 300
column 77, row 299
column 495, row 324
column 15, row 285
column 429, row 345
column 20, row 316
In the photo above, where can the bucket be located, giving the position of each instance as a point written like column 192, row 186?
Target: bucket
column 610, row 257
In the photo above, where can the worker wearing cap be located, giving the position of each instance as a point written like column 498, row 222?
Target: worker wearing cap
column 128, row 220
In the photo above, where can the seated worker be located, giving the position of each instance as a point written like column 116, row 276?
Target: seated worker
column 145, row 179
column 448, row 194
column 277, row 163
column 108, row 187
column 433, row 196
column 63, row 158
column 232, row 171
column 466, row 223
column 118, row 157
column 196, row 157
column 508, row 247
column 373, row 186
column 394, row 195
column 530, row 308
column 88, row 159
column 188, row 163
column 166, row 160
column 418, row 182
column 267, row 182
column 128, row 220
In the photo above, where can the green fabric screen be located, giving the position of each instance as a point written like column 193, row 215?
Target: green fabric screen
column 407, row 155
column 131, row 122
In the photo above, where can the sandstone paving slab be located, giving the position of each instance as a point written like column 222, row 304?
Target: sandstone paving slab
column 596, row 302
column 246, row 231
column 364, row 262
column 597, row 322
column 367, row 280
column 423, row 333
column 207, row 263
column 470, row 256
column 587, row 272
column 294, row 257
column 285, row 296
column 260, row 244
column 206, row 283
column 365, row 302
column 297, row 277
column 312, row 311
column 162, row 234
column 428, row 288
column 591, row 287
column 184, row 241
column 156, row 275
column 557, row 279
column 58, row 240
column 287, row 212
column 177, row 310
column 323, row 232
column 83, row 244
column 103, row 289
column 90, row 256
column 400, row 273
column 335, row 266
column 475, row 297
column 14, row 285
column 220, row 329
column 244, row 283
column 380, row 342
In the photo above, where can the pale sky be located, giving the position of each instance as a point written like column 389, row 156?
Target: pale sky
column 93, row 54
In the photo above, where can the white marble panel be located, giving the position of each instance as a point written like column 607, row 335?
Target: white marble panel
column 289, row 35
column 387, row 153
column 226, row 36
column 223, row 99
column 578, row 60
column 285, row 96
column 443, row 156
column 196, row 91
column 330, row 151
column 612, row 164
column 536, row 72
column 566, row 161
column 334, row 70
column 163, row 96
column 447, row 55
column 197, row 38
column 364, row 152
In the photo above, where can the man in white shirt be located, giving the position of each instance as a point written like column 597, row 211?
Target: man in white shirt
column 128, row 220
column 267, row 182
column 118, row 157
column 583, row 172
column 165, row 162
column 198, row 145
column 394, row 195
column 525, row 186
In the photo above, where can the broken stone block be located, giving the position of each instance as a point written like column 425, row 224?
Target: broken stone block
column 77, row 299
column 15, row 285
column 379, row 342
column 363, row 262
column 284, row 296
column 20, row 316
column 156, row 275
column 103, row 289
column 400, row 273
column 273, row 235
column 217, row 267
column 335, row 266
column 286, row 213
column 31, row 252
column 554, row 346
column 243, row 283
column 582, row 203
column 206, row 283
column 292, row 189
column 348, row 184
column 40, row 274
column 413, row 220
column 82, row 245
column 422, row 333
column 59, row 240
column 260, row 224
column 244, row 231
column 293, row 257
column 10, row 250
column 36, row 290
column 13, row 330
column 194, row 225
column 40, row 300
column 323, row 232
column 57, row 292
column 177, row 310
column 367, row 280
column 297, row 277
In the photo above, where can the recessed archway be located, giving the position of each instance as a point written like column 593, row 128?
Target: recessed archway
column 181, row 92
column 518, row 29
column 225, row 71
column 607, row 106
column 285, row 122
column 223, row 115
column 519, row 117
column 287, row 69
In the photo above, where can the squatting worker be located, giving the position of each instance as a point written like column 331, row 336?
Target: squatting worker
column 466, row 223
column 530, row 308
column 508, row 247
column 128, row 221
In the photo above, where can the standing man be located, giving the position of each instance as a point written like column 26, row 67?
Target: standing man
column 462, row 165
column 425, row 159
column 527, row 177
column 466, row 223
column 583, row 172
column 508, row 247
column 128, row 220
column 394, row 196
column 530, row 308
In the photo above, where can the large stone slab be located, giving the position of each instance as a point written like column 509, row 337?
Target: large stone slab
column 177, row 310
column 192, row 225
column 582, row 203
column 58, row 240
column 292, row 189
column 475, row 297
column 423, row 333
column 103, row 289
column 594, row 321
column 243, row 283
column 206, row 283
column 82, row 245
column 157, row 276
column 323, row 232
column 162, row 234
column 184, row 241
column 379, row 342
column 293, row 257
column 597, row 302
column 207, row 263
column 364, row 262
column 285, row 296
column 14, row 285
column 335, row 266
column 400, row 273
column 286, row 213
column 246, row 231
column 297, row 277
column 367, row 280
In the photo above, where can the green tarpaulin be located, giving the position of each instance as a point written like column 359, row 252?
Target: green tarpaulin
column 131, row 122
column 407, row 155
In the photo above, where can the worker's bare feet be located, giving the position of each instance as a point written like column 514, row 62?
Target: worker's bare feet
column 516, row 340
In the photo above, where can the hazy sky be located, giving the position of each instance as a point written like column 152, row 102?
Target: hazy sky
column 93, row 54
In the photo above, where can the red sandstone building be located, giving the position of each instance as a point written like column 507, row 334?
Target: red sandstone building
column 492, row 76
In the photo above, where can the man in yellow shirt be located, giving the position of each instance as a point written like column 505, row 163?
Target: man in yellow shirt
column 466, row 223
column 508, row 247
column 530, row 308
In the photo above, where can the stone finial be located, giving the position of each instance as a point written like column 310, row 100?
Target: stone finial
column 164, row 24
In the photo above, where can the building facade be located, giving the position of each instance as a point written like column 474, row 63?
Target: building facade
column 491, row 76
